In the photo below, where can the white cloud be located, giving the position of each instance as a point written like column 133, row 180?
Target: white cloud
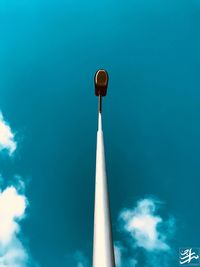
column 13, row 205
column 12, row 211
column 149, row 231
column 7, row 141
column 12, row 208
column 13, row 254
column 146, row 227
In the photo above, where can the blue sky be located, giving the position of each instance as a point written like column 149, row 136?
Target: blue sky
column 49, row 52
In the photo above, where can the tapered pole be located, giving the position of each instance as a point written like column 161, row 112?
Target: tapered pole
column 103, row 251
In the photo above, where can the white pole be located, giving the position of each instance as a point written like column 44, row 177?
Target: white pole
column 103, row 252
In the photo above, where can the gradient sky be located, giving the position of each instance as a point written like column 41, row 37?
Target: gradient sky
column 49, row 52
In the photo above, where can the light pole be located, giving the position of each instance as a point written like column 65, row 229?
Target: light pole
column 103, row 250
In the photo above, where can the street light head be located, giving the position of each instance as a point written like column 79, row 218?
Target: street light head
column 101, row 82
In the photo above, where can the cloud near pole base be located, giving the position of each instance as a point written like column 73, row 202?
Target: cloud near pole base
column 144, row 229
